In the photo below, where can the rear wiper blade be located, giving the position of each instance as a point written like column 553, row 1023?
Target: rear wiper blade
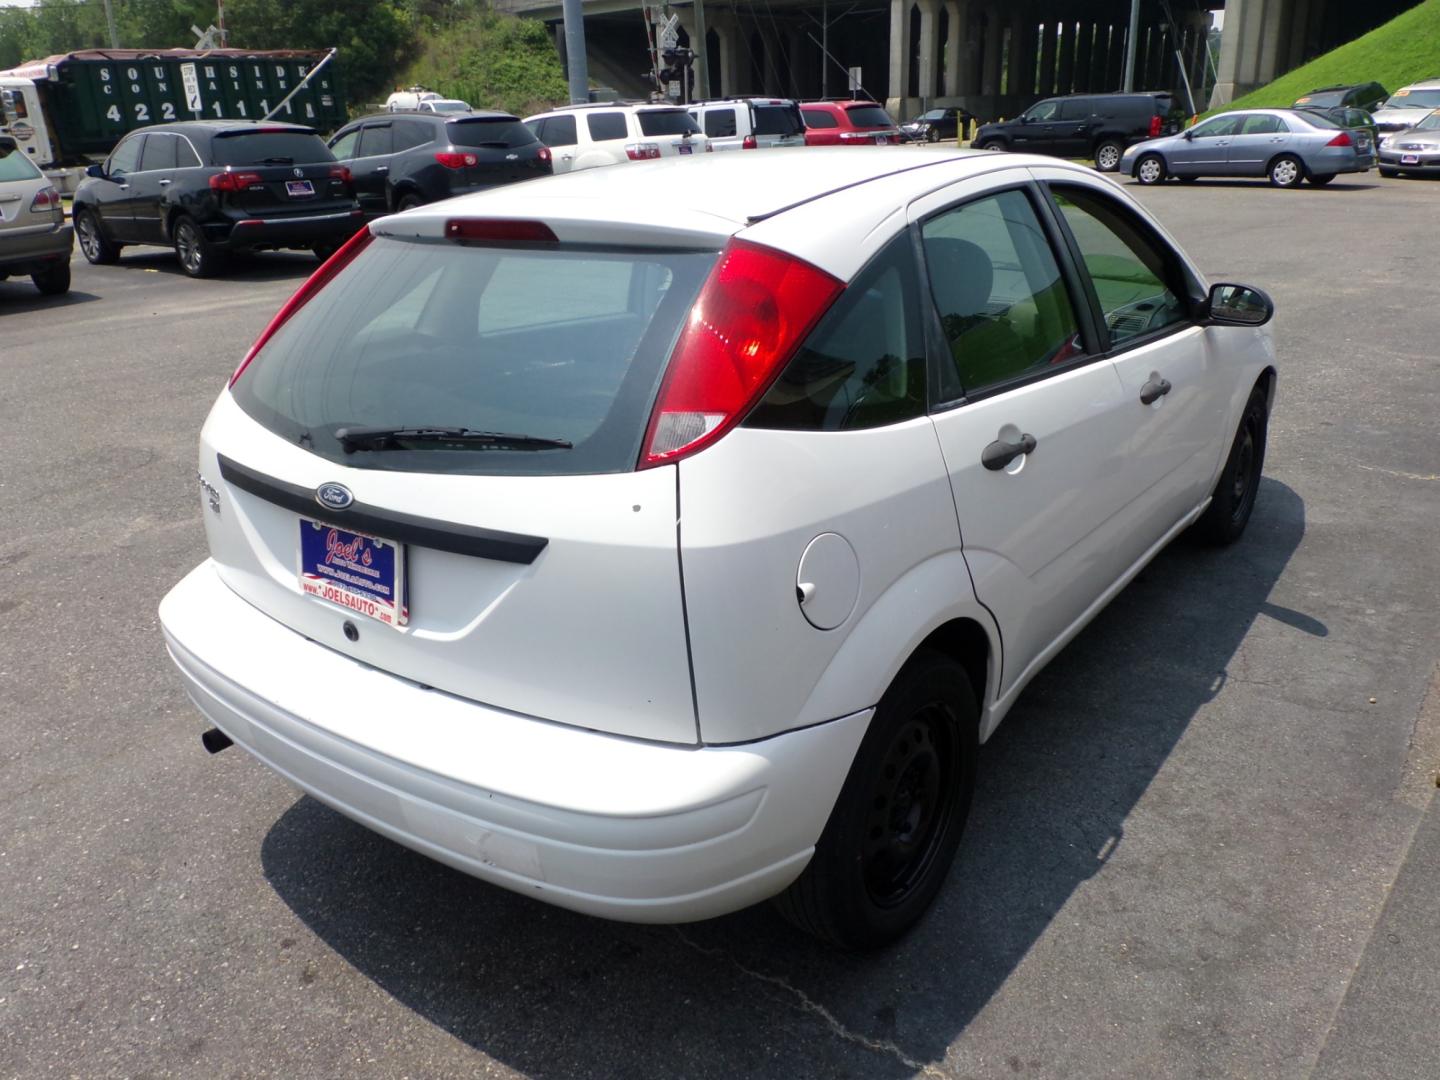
column 494, row 144
column 390, row 438
column 277, row 161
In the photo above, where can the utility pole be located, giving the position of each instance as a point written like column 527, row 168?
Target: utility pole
column 701, row 49
column 110, row 22
column 574, row 16
column 1132, row 43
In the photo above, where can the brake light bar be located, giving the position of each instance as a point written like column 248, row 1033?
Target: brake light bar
column 642, row 151
column 313, row 284
column 499, row 231
column 755, row 309
column 235, row 181
column 452, row 160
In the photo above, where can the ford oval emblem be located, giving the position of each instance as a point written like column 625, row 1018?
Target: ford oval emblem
column 333, row 496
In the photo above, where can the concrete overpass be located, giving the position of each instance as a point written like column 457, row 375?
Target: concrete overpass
column 992, row 57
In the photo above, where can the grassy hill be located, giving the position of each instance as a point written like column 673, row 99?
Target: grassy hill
column 1404, row 50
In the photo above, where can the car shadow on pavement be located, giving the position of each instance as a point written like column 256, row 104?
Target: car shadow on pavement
column 554, row 994
column 247, row 267
column 18, row 295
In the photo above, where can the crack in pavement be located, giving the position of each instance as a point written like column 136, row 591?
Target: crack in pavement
column 810, row 1005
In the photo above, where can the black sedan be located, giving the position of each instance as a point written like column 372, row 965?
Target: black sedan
column 935, row 125
column 209, row 188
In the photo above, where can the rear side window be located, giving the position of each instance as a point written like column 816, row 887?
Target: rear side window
column 556, row 344
column 558, row 131
column 667, row 122
column 159, row 152
column 1075, row 109
column 720, row 123
column 499, row 134
column 14, row 165
column 868, row 116
column 408, row 134
column 778, row 120
column 376, row 140
column 606, row 125
column 997, row 287
column 819, row 118
column 185, row 156
column 864, row 365
column 270, row 148
column 1262, row 125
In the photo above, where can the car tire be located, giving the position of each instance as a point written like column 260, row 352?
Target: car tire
column 1108, row 155
column 198, row 257
column 94, row 245
column 1233, row 499
column 408, row 201
column 932, row 135
column 1286, row 171
column 1150, row 169
column 54, row 280
column 892, row 834
column 989, row 144
column 1385, row 170
column 1321, row 179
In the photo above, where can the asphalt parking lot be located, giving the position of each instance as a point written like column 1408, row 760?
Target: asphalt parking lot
column 1205, row 841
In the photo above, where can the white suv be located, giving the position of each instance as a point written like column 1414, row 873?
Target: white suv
column 587, row 136
column 655, row 555
column 750, row 123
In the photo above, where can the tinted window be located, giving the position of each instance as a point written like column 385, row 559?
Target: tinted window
column 1075, row 109
column 407, row 134
column 344, row 147
column 270, row 148
column 558, row 344
column 1261, row 125
column 185, row 156
column 606, row 125
column 998, row 290
column 1221, row 125
column 667, row 122
column 126, row 157
column 864, row 365
column 818, row 118
column 868, row 116
column 1335, row 97
column 778, row 120
column 14, row 165
column 159, row 152
column 1319, row 120
column 558, row 131
column 1133, row 274
column 501, row 134
column 934, row 114
column 719, row 123
column 376, row 140
column 1046, row 110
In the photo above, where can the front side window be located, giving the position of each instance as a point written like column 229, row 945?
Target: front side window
column 606, row 125
column 720, row 123
column 998, row 290
column 1046, row 110
column 376, row 140
column 1213, row 129
column 344, row 147
column 863, row 366
column 126, row 157
column 1135, row 279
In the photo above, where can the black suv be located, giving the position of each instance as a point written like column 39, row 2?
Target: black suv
column 400, row 160
column 211, row 187
column 1368, row 96
column 1101, row 126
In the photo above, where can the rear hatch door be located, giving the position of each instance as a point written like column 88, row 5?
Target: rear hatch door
column 778, row 124
column 673, row 130
column 533, row 568
column 872, row 123
column 283, row 171
column 503, row 149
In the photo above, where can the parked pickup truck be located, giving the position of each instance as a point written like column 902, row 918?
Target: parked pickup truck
column 68, row 111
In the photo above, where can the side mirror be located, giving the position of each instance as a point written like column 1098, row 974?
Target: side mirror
column 1025, row 119
column 1188, row 133
column 1239, row 305
column 97, row 171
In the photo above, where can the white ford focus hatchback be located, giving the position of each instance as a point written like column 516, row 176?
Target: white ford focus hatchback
column 656, row 541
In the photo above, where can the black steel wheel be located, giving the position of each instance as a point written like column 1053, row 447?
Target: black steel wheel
column 1233, row 499
column 894, row 829
column 94, row 245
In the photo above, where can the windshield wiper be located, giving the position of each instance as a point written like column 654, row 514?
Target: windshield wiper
column 391, row 438
column 277, row 161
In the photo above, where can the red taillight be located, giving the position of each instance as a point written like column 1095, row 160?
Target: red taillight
column 749, row 143
column 755, row 309
column 340, row 172
column 1156, row 125
column 545, row 154
column 1343, row 139
column 499, row 231
column 234, row 181
column 46, row 200
column 456, row 161
column 642, row 151
column 313, row 284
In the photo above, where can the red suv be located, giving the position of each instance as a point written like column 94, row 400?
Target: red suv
column 847, row 123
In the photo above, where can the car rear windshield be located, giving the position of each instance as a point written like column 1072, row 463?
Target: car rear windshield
column 778, row 120
column 667, row 122
column 562, row 344
column 1318, row 120
column 506, row 133
column 14, row 165
column 868, row 116
column 1326, row 101
column 270, row 147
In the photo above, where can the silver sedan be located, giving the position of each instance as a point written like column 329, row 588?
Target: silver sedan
column 1283, row 144
column 1416, row 150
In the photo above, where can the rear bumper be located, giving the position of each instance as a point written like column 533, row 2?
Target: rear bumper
column 31, row 252
column 604, row 825
column 1340, row 159
column 297, row 231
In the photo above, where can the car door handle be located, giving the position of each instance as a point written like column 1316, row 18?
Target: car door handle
column 999, row 453
column 165, row 183
column 1154, row 390
column 382, row 168
column 124, row 187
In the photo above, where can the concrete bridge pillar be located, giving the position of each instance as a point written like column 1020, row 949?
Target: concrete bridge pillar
column 994, row 42
column 899, row 55
column 957, row 39
column 727, row 36
column 1047, row 56
column 1270, row 39
column 929, row 47
column 1296, row 47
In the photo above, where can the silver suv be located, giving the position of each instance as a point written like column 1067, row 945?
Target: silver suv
column 35, row 238
column 588, row 136
column 750, row 123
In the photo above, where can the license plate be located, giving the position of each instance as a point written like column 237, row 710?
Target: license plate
column 299, row 187
column 359, row 572
column 1409, row 159
column 686, row 148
